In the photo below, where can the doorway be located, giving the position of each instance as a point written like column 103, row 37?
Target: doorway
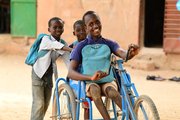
column 153, row 23
column 4, row 16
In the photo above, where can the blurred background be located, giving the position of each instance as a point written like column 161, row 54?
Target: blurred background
column 152, row 24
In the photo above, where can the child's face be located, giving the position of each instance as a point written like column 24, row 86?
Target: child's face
column 93, row 25
column 80, row 31
column 56, row 28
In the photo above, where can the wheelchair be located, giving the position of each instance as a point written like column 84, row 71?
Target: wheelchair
column 66, row 101
column 66, row 105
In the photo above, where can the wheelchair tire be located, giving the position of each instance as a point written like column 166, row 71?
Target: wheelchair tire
column 149, row 108
column 70, row 104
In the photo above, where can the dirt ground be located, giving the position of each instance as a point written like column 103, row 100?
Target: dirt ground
column 15, row 89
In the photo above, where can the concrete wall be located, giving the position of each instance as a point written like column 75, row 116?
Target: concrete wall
column 120, row 18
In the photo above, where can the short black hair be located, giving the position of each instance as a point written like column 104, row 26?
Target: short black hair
column 81, row 22
column 54, row 19
column 88, row 13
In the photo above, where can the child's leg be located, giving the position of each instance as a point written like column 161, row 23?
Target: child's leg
column 48, row 84
column 114, row 95
column 37, row 110
column 95, row 93
column 85, row 105
column 86, row 113
column 111, row 91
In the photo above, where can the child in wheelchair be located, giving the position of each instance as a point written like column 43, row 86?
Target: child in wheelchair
column 94, row 55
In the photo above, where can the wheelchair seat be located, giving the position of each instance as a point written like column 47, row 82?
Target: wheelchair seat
column 79, row 88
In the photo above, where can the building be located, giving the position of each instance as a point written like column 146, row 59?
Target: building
column 149, row 23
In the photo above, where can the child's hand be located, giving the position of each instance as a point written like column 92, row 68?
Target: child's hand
column 98, row 75
column 133, row 50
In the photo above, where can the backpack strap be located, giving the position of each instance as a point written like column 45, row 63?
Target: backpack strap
column 41, row 53
column 63, row 42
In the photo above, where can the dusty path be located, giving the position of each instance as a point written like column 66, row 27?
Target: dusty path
column 15, row 89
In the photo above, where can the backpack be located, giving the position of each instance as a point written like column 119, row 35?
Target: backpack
column 33, row 53
column 97, row 57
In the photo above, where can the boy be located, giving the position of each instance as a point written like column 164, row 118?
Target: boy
column 94, row 55
column 45, row 66
column 79, row 28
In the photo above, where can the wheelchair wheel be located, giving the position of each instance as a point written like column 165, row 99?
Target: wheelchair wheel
column 145, row 109
column 67, row 104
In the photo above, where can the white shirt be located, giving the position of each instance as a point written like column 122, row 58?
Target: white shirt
column 42, row 63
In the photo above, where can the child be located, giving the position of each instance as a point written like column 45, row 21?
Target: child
column 45, row 66
column 94, row 55
column 79, row 31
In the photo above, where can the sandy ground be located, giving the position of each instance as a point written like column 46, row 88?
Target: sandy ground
column 15, row 89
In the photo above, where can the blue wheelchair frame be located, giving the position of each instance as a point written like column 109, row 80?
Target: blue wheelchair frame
column 79, row 100
column 124, row 85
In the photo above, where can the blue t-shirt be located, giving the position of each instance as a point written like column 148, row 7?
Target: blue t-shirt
column 94, row 56
column 76, row 53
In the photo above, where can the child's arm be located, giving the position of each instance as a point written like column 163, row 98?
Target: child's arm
column 73, row 74
column 121, row 53
column 133, row 50
column 66, row 48
column 47, row 44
